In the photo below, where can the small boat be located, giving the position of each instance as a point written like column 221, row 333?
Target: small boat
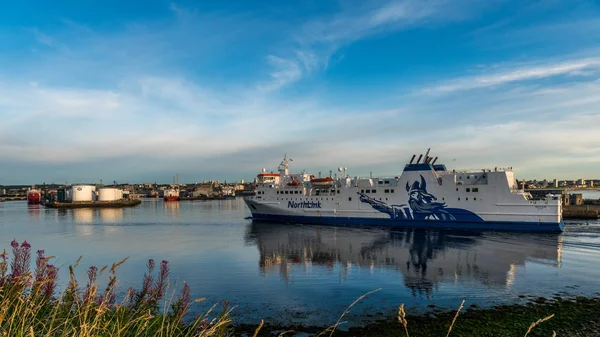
column 33, row 197
column 172, row 193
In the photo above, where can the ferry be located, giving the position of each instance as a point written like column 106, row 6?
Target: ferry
column 425, row 195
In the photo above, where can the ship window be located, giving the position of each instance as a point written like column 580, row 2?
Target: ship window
column 367, row 191
column 459, row 199
column 380, row 182
column 467, row 199
column 392, row 191
column 379, row 199
column 362, row 191
column 475, row 189
column 373, row 191
column 387, row 181
column 338, row 191
column 468, row 177
column 457, row 189
column 385, row 199
column 468, row 190
column 386, row 191
column 286, row 192
column 349, row 198
column 474, row 198
column 443, row 198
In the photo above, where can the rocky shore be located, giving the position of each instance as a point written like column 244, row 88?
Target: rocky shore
column 571, row 317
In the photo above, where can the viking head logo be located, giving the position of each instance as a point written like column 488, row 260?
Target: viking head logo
column 418, row 191
column 424, row 204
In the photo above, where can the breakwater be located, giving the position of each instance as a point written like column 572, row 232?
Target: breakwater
column 581, row 212
column 94, row 204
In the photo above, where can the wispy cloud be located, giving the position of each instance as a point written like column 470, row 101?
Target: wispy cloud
column 284, row 72
column 43, row 38
column 318, row 39
column 577, row 67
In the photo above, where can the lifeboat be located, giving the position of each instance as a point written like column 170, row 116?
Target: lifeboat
column 321, row 181
column 261, row 175
column 293, row 183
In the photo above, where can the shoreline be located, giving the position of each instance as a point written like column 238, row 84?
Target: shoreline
column 573, row 316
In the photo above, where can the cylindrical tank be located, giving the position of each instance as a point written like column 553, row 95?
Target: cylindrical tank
column 82, row 193
column 108, row 194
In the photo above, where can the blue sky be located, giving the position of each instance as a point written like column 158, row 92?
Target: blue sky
column 116, row 90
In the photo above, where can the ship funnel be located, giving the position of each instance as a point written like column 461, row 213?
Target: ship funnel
column 412, row 159
column 436, row 158
column 418, row 160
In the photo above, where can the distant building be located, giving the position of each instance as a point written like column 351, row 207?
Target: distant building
column 576, row 199
column 206, row 188
column 555, row 183
column 581, row 182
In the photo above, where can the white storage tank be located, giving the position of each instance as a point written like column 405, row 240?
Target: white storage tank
column 82, row 192
column 109, row 194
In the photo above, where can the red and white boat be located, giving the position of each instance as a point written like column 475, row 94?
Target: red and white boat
column 33, row 196
column 172, row 193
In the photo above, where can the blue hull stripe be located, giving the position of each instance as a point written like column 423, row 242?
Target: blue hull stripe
column 379, row 222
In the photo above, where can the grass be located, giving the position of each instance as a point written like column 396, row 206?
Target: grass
column 30, row 306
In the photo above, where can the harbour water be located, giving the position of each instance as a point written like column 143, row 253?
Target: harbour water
column 294, row 274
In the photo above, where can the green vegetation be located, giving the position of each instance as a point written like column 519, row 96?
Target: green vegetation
column 28, row 306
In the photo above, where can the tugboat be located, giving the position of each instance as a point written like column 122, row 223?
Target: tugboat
column 33, row 196
column 424, row 195
column 172, row 193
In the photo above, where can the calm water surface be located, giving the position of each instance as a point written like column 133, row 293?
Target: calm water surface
column 310, row 274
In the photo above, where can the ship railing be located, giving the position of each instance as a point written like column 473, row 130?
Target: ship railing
column 495, row 169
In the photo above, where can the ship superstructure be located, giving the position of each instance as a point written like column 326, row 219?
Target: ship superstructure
column 426, row 194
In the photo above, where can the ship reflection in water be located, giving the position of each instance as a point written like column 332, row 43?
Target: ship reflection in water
column 425, row 258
